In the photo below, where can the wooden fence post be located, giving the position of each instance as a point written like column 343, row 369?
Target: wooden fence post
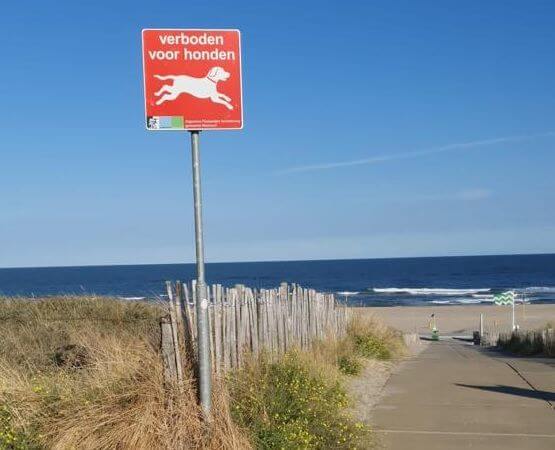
column 168, row 350
column 174, row 329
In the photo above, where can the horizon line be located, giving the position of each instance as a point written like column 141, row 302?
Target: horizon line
column 278, row 260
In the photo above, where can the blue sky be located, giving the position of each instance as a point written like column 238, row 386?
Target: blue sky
column 372, row 129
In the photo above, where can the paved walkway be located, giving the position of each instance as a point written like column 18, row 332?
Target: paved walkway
column 456, row 396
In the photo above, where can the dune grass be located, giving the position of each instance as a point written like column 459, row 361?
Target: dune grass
column 530, row 342
column 85, row 372
column 367, row 338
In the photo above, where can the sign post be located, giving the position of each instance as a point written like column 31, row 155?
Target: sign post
column 192, row 81
column 203, row 337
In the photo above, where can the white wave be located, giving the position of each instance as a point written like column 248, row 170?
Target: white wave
column 468, row 301
column 537, row 290
column 483, row 296
column 457, row 301
column 132, row 298
column 348, row 293
column 429, row 291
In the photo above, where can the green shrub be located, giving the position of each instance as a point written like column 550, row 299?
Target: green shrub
column 10, row 437
column 349, row 364
column 370, row 346
column 368, row 337
column 291, row 404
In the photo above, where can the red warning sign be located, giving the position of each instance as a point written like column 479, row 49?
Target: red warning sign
column 192, row 79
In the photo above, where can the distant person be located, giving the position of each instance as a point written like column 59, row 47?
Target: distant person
column 432, row 324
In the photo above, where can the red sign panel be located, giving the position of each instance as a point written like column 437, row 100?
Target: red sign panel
column 192, row 79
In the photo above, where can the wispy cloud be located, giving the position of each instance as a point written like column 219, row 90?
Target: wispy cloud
column 473, row 194
column 414, row 154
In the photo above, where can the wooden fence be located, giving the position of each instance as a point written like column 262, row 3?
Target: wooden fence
column 244, row 320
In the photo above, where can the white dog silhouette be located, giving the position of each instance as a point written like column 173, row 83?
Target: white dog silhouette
column 205, row 87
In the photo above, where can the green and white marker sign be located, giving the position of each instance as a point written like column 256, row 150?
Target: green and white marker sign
column 506, row 298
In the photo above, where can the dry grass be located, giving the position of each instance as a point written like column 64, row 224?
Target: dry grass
column 367, row 338
column 363, row 326
column 85, row 373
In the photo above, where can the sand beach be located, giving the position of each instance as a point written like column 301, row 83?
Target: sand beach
column 463, row 319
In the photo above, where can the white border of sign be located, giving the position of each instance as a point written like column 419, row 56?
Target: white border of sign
column 240, row 78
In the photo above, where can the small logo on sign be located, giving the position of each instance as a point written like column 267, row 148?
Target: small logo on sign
column 153, row 123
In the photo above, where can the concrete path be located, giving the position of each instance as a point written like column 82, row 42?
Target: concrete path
column 456, row 396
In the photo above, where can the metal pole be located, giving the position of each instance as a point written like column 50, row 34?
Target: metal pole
column 513, row 312
column 204, row 366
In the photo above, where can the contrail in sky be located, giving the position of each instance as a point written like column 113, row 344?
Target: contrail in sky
column 414, row 154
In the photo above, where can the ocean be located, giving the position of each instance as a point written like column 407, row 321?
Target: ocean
column 375, row 282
